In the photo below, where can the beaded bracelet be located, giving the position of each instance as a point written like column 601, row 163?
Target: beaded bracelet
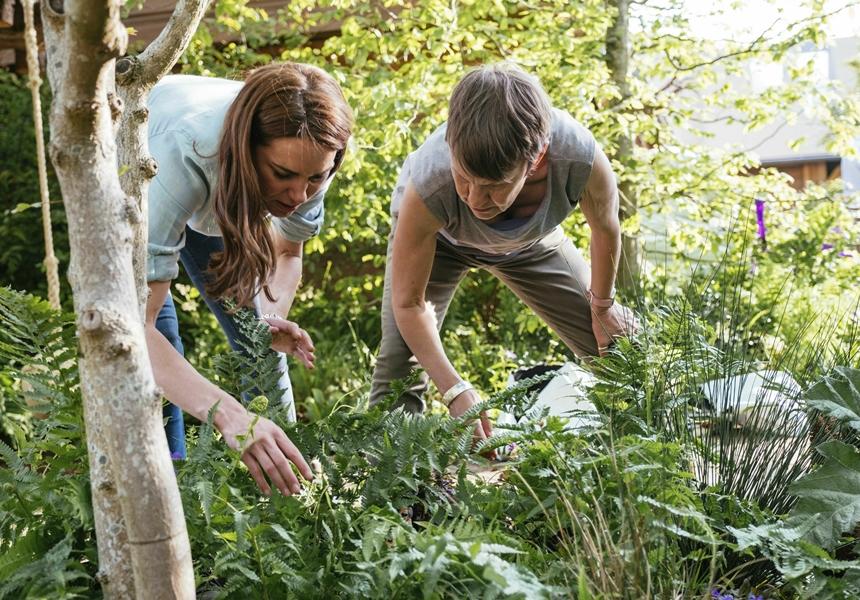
column 272, row 316
column 600, row 302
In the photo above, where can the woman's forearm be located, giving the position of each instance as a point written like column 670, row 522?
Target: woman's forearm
column 417, row 324
column 285, row 279
column 183, row 385
column 605, row 252
column 283, row 284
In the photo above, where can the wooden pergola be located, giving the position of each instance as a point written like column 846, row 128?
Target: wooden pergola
column 147, row 22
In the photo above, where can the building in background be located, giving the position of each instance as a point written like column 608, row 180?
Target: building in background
column 146, row 22
column 793, row 143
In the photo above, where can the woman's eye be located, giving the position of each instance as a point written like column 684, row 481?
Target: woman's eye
column 284, row 175
column 316, row 178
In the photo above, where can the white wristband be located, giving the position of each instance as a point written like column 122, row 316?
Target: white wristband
column 454, row 391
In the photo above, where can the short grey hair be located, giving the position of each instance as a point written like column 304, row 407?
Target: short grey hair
column 499, row 117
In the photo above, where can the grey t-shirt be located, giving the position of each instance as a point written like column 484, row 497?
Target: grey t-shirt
column 570, row 155
column 186, row 115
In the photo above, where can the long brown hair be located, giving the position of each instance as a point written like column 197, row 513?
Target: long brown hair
column 278, row 100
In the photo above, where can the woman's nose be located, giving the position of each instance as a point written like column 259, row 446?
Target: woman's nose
column 477, row 197
column 298, row 193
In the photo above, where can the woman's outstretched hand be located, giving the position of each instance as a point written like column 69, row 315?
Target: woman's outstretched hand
column 461, row 404
column 611, row 323
column 266, row 449
column 291, row 339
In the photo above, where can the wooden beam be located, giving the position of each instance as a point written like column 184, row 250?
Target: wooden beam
column 11, row 40
column 148, row 20
column 7, row 13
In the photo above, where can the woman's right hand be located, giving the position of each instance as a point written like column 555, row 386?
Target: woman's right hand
column 266, row 450
column 461, row 404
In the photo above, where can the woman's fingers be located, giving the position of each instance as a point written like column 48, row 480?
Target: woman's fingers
column 290, row 338
column 484, row 431
column 306, row 340
column 291, row 452
column 269, row 455
column 281, row 470
column 256, row 472
column 271, row 470
column 486, row 425
column 305, row 356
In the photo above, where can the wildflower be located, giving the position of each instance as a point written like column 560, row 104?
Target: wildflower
column 759, row 218
column 826, row 246
column 176, row 455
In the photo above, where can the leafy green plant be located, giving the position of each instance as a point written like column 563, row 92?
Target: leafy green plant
column 47, row 542
column 401, row 507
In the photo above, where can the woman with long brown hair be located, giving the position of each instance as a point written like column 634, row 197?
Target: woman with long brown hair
column 242, row 171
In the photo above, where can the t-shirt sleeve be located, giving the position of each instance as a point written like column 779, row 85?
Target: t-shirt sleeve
column 306, row 222
column 579, row 147
column 178, row 190
column 430, row 175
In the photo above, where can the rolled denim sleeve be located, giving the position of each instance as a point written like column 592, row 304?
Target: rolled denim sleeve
column 177, row 191
column 306, row 222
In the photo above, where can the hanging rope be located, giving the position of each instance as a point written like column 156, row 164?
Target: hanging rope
column 32, row 45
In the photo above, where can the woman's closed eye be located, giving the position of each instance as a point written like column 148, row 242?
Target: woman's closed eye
column 319, row 178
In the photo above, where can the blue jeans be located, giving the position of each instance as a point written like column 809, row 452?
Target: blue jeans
column 195, row 259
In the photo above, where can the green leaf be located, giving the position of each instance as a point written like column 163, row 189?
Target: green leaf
column 832, row 492
column 838, row 396
column 205, row 493
column 21, row 207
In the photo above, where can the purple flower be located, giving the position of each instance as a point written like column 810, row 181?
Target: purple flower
column 759, row 218
column 826, row 246
column 844, row 254
column 755, row 597
column 176, row 455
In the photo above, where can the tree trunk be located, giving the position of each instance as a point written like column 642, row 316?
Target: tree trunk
column 617, row 60
column 129, row 458
column 136, row 75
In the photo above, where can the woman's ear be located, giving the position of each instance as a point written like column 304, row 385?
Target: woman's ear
column 538, row 161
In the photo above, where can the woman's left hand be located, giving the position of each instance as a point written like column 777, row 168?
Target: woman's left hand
column 291, row 339
column 611, row 323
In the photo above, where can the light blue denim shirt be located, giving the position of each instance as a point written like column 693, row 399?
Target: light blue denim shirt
column 186, row 114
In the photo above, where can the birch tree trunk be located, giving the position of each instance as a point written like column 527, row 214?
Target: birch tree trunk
column 143, row 544
column 135, row 77
column 617, row 60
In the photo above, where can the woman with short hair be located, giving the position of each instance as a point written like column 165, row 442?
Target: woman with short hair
column 489, row 189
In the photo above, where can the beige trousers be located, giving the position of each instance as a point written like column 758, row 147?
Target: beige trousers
column 550, row 277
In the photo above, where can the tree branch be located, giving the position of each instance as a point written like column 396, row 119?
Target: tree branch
column 160, row 56
column 752, row 47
